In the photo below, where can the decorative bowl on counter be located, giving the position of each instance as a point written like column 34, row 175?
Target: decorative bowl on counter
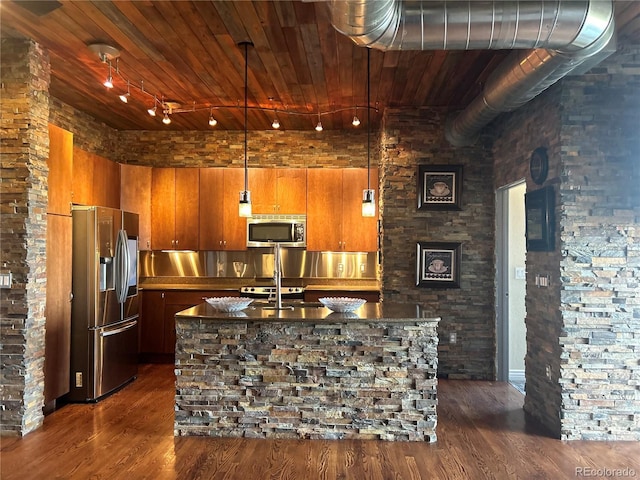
column 229, row 304
column 342, row 304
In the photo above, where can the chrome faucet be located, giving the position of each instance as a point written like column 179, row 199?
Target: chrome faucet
column 277, row 274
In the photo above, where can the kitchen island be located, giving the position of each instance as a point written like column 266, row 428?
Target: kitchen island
column 307, row 372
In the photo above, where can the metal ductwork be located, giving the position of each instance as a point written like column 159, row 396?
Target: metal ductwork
column 560, row 35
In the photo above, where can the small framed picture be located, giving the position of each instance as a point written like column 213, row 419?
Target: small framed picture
column 438, row 264
column 439, row 187
column 540, row 219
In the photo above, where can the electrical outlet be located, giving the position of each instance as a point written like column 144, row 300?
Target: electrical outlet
column 78, row 379
column 548, row 372
column 363, row 267
column 340, row 267
column 453, row 337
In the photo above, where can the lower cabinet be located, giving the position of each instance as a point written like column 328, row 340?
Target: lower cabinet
column 157, row 320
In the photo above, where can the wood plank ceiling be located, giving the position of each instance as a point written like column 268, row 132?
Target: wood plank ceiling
column 189, row 52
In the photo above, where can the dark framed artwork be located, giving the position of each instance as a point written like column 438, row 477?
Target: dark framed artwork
column 439, row 187
column 540, row 219
column 438, row 264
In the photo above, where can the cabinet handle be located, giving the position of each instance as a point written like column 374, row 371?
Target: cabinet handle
column 176, row 243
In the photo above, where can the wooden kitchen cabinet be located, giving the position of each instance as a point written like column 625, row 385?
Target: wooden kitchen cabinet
column 57, row 358
column 278, row 190
column 220, row 226
column 135, row 196
column 151, row 326
column 157, row 319
column 334, row 210
column 174, row 208
column 95, row 180
column 106, row 182
column 60, row 165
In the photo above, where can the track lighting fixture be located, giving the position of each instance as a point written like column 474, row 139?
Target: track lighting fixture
column 244, row 204
column 368, row 195
column 109, row 81
column 108, row 54
column 356, row 121
column 212, row 121
column 125, row 96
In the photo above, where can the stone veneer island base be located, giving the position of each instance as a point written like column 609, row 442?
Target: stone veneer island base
column 307, row 373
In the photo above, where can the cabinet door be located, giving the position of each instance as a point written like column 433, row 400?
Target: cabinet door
column 57, row 358
column 324, row 209
column 211, row 212
column 359, row 234
column 262, row 184
column 163, row 212
column 135, row 196
column 60, row 165
column 235, row 227
column 152, row 329
column 291, row 191
column 186, row 208
column 82, row 178
column 106, row 182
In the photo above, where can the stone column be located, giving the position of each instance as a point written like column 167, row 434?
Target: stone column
column 24, row 75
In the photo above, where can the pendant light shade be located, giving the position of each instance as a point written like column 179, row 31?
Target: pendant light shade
column 244, row 204
column 368, row 195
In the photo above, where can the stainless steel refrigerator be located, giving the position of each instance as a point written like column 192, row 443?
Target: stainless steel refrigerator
column 104, row 309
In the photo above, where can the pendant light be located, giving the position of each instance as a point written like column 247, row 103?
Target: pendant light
column 368, row 195
column 244, row 205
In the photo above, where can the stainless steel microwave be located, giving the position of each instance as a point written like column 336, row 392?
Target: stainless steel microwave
column 287, row 230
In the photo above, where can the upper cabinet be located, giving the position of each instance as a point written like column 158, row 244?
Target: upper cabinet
column 135, row 196
column 174, row 208
column 96, row 180
column 220, row 226
column 334, row 210
column 60, row 170
column 278, row 190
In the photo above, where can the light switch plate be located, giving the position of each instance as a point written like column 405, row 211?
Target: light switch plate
column 5, row 280
column 521, row 273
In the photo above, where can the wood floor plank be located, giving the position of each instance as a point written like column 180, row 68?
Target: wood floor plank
column 482, row 434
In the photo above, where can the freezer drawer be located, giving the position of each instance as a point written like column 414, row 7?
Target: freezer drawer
column 116, row 356
column 111, row 361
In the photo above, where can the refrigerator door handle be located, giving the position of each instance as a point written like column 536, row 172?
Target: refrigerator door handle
column 122, row 266
column 124, row 328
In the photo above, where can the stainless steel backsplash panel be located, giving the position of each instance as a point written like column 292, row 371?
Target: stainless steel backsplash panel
column 258, row 263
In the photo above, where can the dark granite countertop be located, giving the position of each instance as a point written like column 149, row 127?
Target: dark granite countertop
column 369, row 312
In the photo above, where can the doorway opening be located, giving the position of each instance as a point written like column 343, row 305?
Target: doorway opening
column 511, row 284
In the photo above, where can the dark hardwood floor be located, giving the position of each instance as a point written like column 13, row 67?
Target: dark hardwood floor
column 129, row 435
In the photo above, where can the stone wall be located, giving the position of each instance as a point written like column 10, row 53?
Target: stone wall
column 409, row 139
column 25, row 76
column 308, row 380
column 583, row 333
column 271, row 148
column 534, row 125
column 600, row 265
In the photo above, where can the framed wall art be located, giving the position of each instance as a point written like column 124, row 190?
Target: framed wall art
column 540, row 219
column 439, row 187
column 438, row 264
